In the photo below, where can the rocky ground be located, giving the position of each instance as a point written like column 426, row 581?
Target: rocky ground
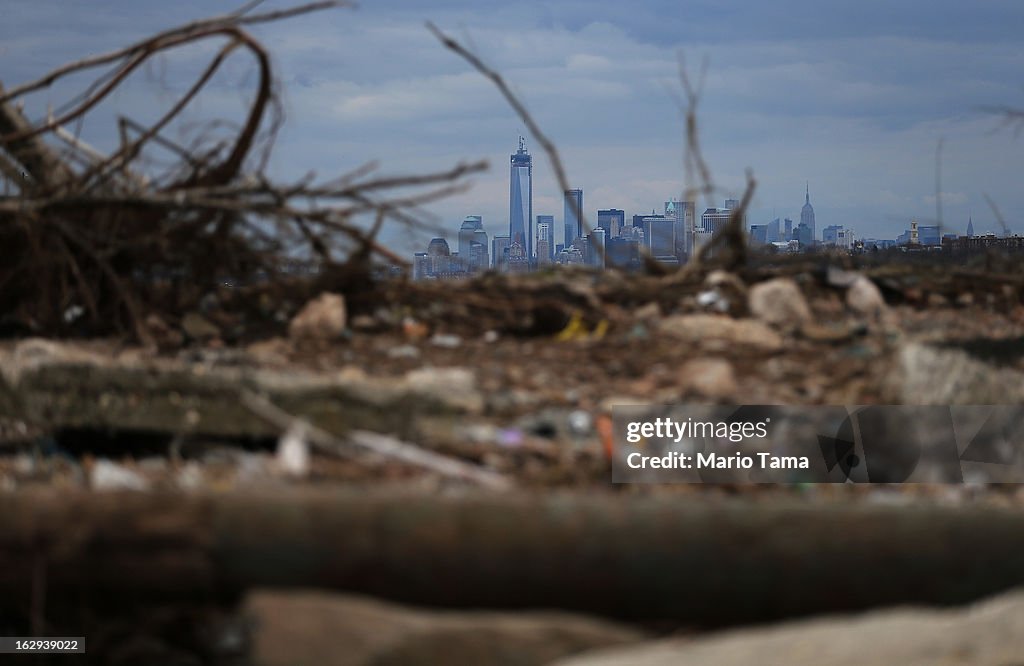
column 524, row 408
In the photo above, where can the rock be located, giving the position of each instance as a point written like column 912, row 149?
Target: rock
column 864, row 298
column 165, row 337
column 455, row 387
column 987, row 634
column 722, row 330
column 647, row 312
column 925, row 375
column 780, row 303
column 321, row 319
column 403, row 351
column 199, row 328
column 364, row 323
column 272, row 352
column 108, row 475
column 709, row 377
column 312, row 628
column 446, row 341
column 840, row 277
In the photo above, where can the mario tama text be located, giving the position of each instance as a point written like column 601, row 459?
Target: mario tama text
column 817, row 444
column 761, row 460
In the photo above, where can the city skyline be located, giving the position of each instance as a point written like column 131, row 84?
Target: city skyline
column 854, row 96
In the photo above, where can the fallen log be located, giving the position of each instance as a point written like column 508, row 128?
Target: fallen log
column 630, row 558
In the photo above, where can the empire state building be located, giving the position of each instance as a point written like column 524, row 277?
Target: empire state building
column 807, row 214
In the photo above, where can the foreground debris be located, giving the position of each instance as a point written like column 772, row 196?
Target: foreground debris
column 990, row 633
column 322, row 629
column 631, row 558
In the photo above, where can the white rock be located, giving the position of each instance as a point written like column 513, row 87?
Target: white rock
column 323, row 318
column 108, row 475
column 864, row 298
column 780, row 303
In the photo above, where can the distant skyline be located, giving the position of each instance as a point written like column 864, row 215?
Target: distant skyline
column 851, row 96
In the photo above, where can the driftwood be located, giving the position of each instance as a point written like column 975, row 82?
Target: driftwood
column 632, row 558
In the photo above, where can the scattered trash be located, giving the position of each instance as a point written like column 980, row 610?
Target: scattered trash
column 108, row 475
column 446, row 341
column 404, row 351
column 293, row 450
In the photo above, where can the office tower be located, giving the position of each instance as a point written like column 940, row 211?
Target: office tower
column 772, row 234
column 928, row 234
column 789, row 230
column 611, row 220
column 807, row 212
column 573, row 216
column 520, row 208
column 545, row 238
column 623, row 253
column 731, row 204
column 499, row 252
column 830, row 234
column 970, row 227
column 481, row 260
column 440, row 256
column 421, row 266
column 597, row 248
column 660, row 237
column 714, row 219
column 469, row 227
column 759, row 234
column 683, row 213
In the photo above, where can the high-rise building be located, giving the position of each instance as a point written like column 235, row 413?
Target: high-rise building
column 830, row 234
column 499, row 253
column 659, row 232
column 573, row 216
column 520, row 207
column 623, row 253
column 597, row 247
column 478, row 249
column 772, row 233
column 611, row 220
column 807, row 213
column 970, row 227
column 440, row 256
column 545, row 238
column 683, row 214
column 466, row 237
column 759, row 234
column 789, row 230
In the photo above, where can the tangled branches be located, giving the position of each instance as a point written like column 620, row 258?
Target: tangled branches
column 98, row 242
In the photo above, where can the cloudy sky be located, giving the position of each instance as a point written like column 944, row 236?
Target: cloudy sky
column 852, row 96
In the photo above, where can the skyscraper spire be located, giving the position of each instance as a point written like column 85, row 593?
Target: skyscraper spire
column 807, row 197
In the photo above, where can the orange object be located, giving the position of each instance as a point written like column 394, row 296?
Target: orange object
column 604, row 431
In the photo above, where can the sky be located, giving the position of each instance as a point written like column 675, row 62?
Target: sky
column 853, row 98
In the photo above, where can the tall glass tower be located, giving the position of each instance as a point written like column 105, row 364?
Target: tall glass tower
column 520, row 207
column 573, row 211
